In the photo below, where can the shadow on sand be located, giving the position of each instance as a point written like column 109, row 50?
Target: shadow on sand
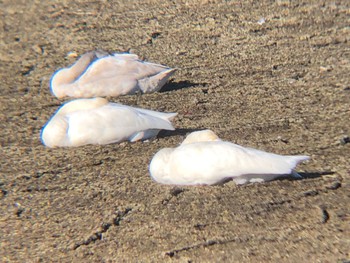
column 181, row 132
column 170, row 86
column 315, row 174
column 286, row 177
column 306, row 175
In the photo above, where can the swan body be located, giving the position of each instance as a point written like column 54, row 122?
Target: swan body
column 97, row 121
column 98, row 74
column 203, row 158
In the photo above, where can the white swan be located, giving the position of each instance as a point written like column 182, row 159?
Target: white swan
column 203, row 158
column 98, row 74
column 96, row 121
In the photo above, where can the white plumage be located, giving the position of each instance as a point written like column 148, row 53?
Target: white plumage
column 97, row 74
column 96, row 121
column 203, row 158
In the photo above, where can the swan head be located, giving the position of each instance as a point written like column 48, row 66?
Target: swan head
column 158, row 167
column 63, row 78
column 201, row 136
column 54, row 132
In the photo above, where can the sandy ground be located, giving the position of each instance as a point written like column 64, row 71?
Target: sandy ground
column 280, row 86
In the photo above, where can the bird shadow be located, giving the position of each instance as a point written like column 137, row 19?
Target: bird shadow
column 306, row 175
column 180, row 132
column 287, row 177
column 315, row 174
column 171, row 85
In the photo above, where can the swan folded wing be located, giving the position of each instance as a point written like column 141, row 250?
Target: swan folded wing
column 107, row 67
column 109, row 124
column 111, row 67
column 152, row 120
column 162, row 115
column 268, row 163
column 148, row 117
column 141, row 64
column 140, row 69
column 110, row 76
column 126, row 56
column 212, row 162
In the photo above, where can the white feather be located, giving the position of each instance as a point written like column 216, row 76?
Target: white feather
column 204, row 159
column 96, row 121
column 99, row 74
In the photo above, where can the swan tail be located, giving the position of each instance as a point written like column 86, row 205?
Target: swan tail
column 155, row 82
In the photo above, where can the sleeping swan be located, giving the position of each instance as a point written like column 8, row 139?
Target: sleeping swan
column 96, row 121
column 203, row 158
column 98, row 74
